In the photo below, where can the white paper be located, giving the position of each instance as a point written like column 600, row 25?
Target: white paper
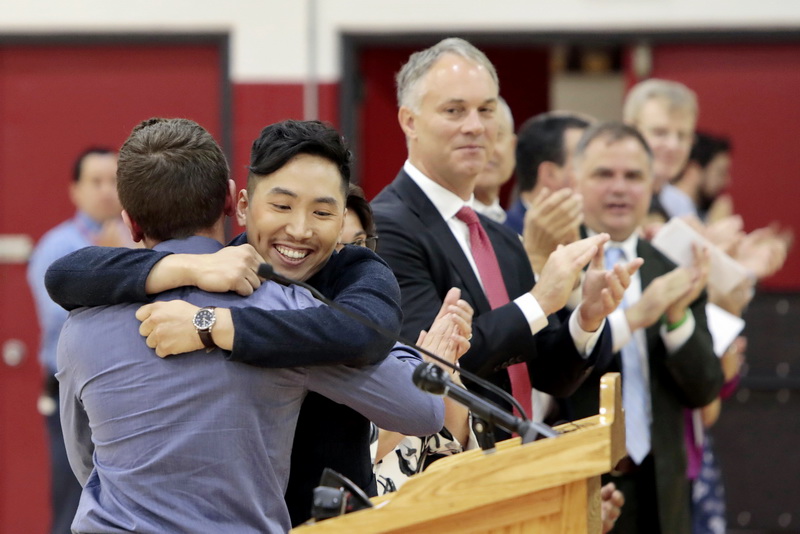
column 675, row 239
column 724, row 327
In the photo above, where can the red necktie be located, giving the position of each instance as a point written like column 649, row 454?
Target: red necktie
column 496, row 293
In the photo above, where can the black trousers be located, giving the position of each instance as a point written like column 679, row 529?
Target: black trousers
column 638, row 485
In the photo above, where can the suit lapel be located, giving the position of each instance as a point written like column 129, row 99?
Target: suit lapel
column 413, row 197
column 649, row 271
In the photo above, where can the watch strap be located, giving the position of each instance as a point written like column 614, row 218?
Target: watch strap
column 205, row 337
column 205, row 333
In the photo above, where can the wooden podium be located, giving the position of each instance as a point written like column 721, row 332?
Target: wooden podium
column 548, row 486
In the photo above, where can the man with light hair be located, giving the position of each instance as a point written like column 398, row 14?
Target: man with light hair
column 665, row 112
column 500, row 167
column 430, row 235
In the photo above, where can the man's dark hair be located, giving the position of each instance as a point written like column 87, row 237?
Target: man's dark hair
column 706, row 147
column 357, row 204
column 612, row 132
column 279, row 143
column 77, row 167
column 541, row 139
column 172, row 178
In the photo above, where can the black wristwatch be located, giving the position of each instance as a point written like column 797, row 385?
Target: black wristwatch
column 203, row 321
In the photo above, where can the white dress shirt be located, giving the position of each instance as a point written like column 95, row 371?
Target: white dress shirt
column 494, row 210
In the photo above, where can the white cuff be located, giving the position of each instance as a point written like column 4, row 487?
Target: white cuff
column 584, row 341
column 533, row 313
column 674, row 340
column 620, row 329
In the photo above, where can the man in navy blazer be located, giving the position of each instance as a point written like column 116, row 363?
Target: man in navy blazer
column 448, row 98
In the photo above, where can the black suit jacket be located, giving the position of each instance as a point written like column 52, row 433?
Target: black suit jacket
column 689, row 378
column 427, row 260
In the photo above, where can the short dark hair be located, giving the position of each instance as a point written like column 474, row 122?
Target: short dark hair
column 279, row 143
column 612, row 131
column 541, row 139
column 706, row 147
column 172, row 178
column 357, row 203
column 77, row 167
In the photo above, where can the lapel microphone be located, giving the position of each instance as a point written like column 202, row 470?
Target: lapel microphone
column 433, row 379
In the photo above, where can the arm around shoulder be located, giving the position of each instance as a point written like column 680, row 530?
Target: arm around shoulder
column 98, row 276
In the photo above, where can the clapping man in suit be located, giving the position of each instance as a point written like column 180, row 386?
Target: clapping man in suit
column 545, row 145
column 662, row 344
column 433, row 240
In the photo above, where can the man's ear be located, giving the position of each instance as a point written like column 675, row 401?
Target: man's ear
column 242, row 202
column 407, row 118
column 136, row 233
column 230, row 199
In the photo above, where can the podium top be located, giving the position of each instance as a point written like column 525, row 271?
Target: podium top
column 460, row 483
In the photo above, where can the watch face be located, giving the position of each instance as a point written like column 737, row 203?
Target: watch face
column 204, row 319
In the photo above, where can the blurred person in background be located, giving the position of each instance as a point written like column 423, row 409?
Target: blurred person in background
column 500, row 167
column 549, row 211
column 665, row 112
column 96, row 221
column 545, row 145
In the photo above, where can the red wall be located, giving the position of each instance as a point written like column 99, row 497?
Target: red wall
column 55, row 100
column 749, row 92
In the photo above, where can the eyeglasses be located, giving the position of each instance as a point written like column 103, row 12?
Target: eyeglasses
column 371, row 242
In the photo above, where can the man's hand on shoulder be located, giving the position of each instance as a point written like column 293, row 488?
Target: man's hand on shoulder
column 169, row 329
column 229, row 269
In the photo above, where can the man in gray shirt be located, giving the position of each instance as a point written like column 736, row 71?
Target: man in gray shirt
column 194, row 443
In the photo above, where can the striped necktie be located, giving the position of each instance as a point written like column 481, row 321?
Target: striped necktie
column 635, row 390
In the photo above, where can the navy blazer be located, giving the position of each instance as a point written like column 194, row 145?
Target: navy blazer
column 418, row 245
column 516, row 216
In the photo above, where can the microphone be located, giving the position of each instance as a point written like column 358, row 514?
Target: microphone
column 266, row 271
column 433, row 379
